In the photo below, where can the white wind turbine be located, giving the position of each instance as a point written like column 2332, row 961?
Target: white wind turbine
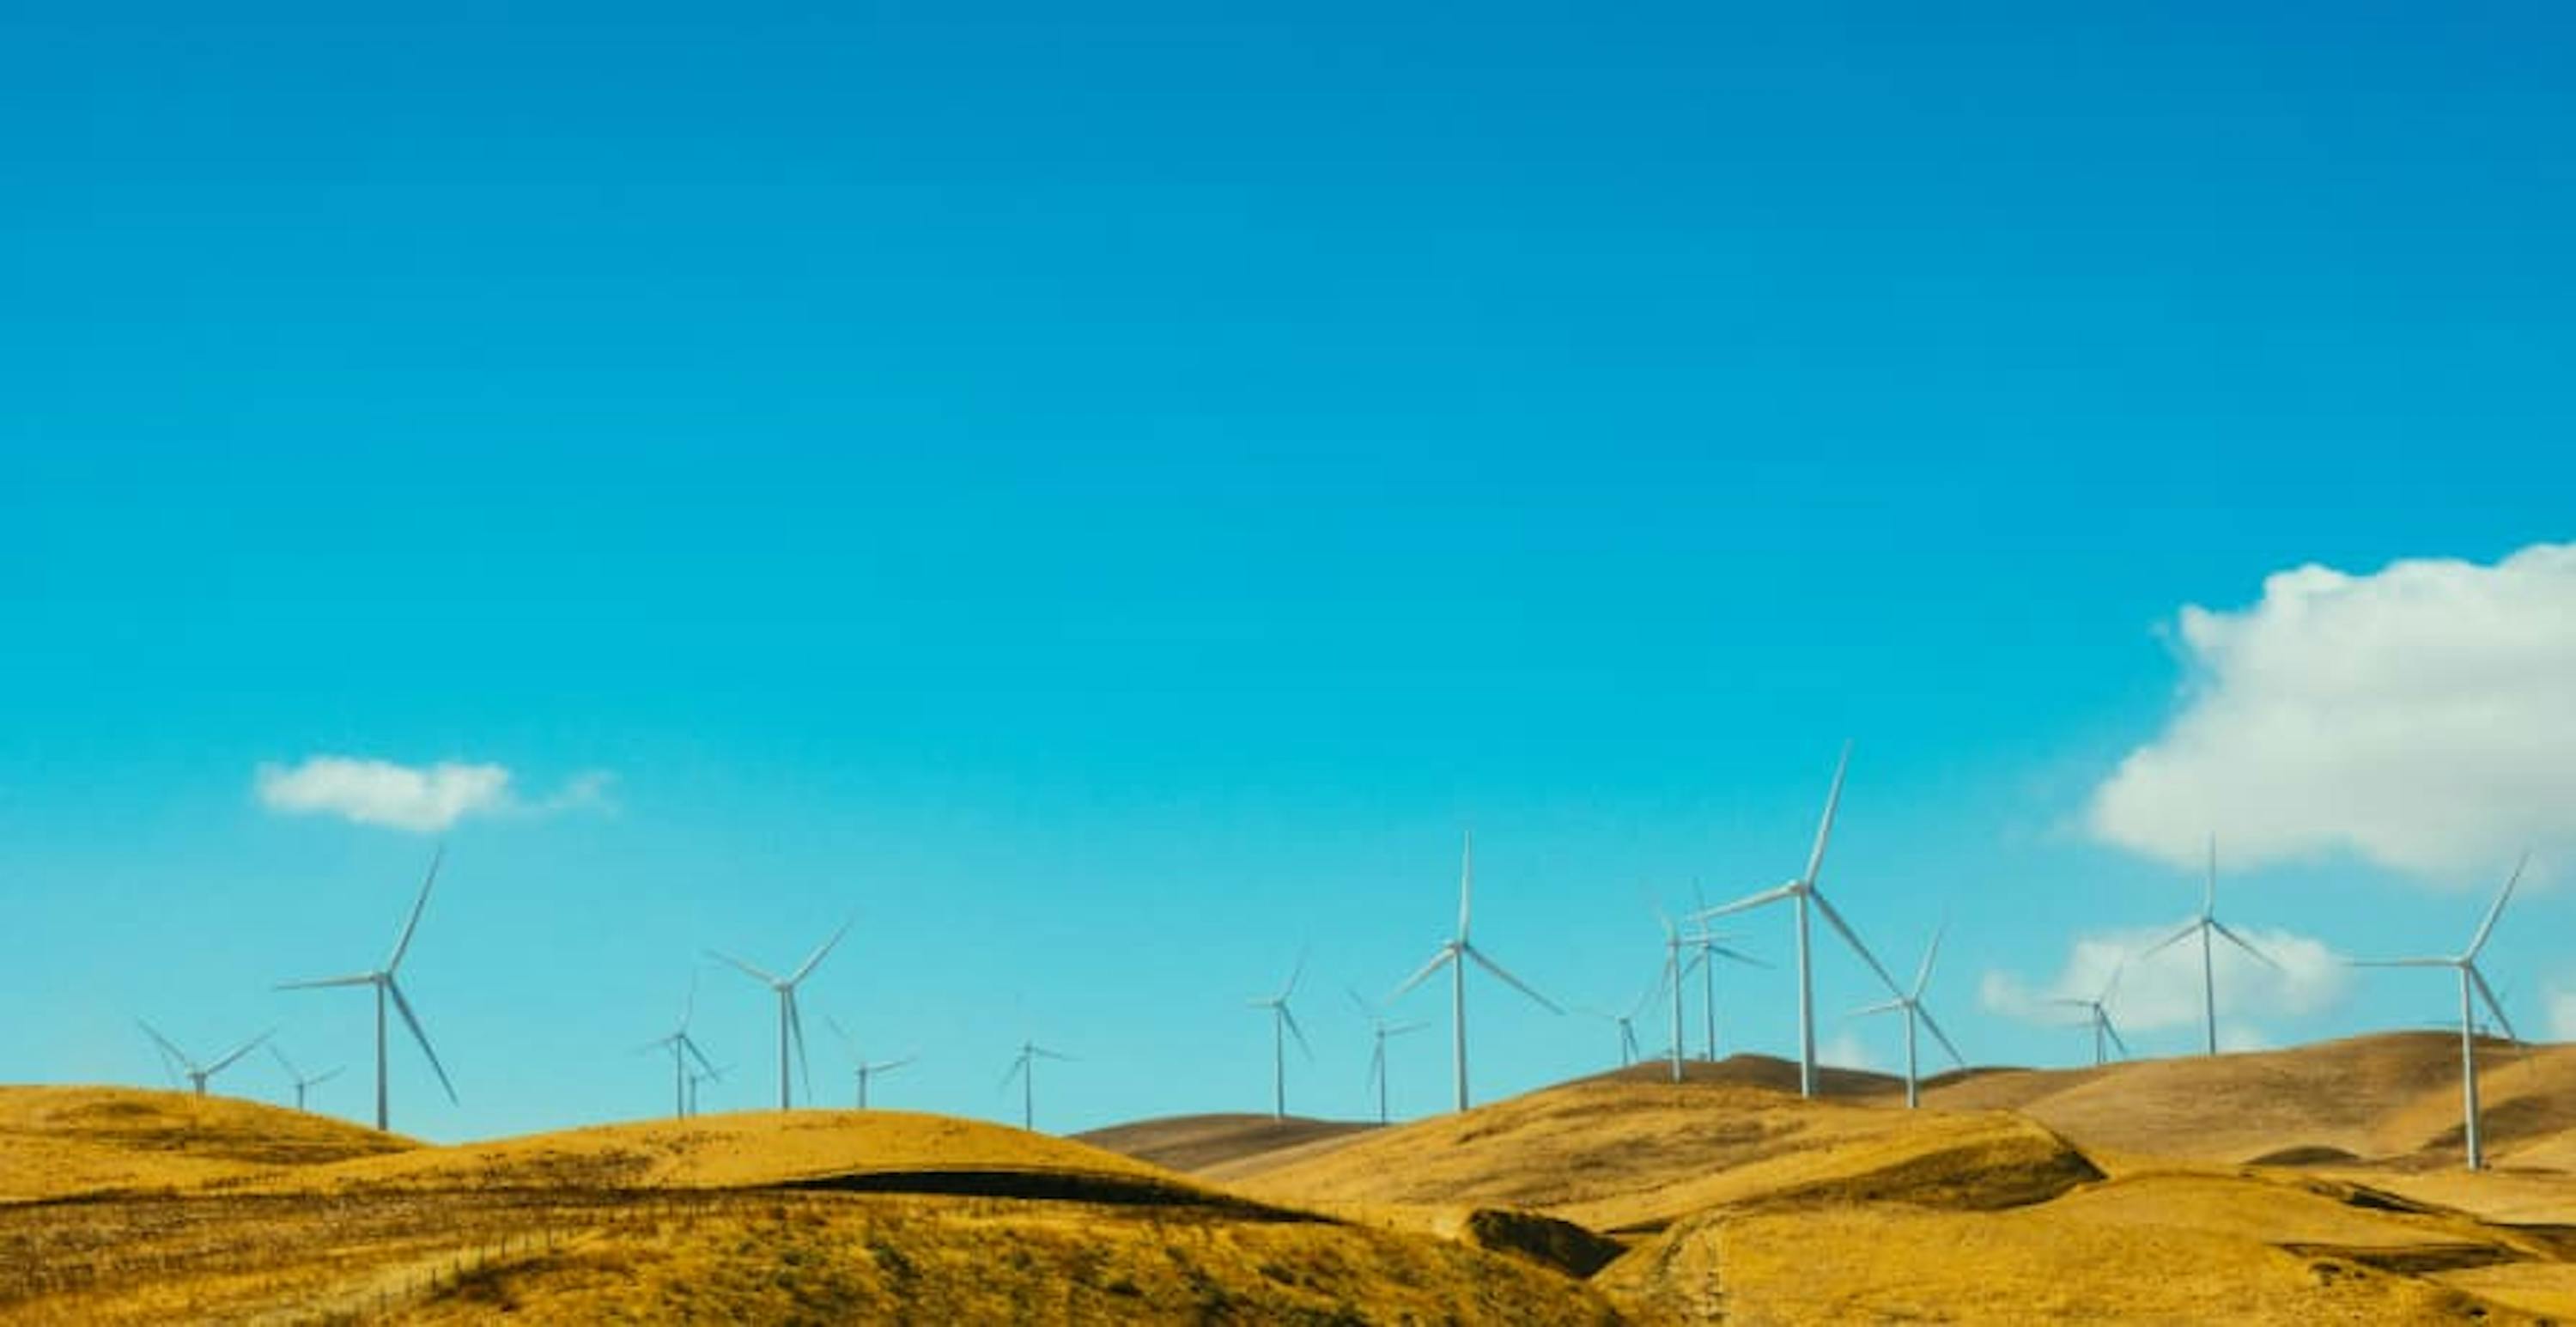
column 861, row 1067
column 302, row 1083
column 2205, row 925
column 1705, row 947
column 713, row 1074
column 1708, row 947
column 1803, row 891
column 1024, row 1068
column 382, row 979
column 791, row 1024
column 1283, row 1025
column 1911, row 1005
column 683, row 1048
column 197, row 1074
column 2097, row 1016
column 1379, row 1031
column 1625, row 1023
column 1454, row 954
column 2472, row 982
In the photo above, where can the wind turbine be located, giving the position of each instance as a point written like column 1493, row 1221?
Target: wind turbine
column 2471, row 981
column 859, row 1064
column 2098, row 1017
column 1379, row 1031
column 1024, row 1068
column 2205, row 925
column 790, row 1023
column 1454, row 954
column 1710, row 948
column 1802, row 892
column 1626, row 1023
column 1283, row 1025
column 1911, row 1005
column 301, row 1082
column 382, row 979
column 198, row 1073
column 714, row 1074
column 683, row 1048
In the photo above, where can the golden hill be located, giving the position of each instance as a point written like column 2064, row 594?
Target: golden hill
column 2387, row 1096
column 804, row 1216
column 63, row 1140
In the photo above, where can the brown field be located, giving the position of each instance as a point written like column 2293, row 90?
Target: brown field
column 2319, row 1184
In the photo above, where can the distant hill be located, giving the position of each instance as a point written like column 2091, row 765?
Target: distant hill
column 1199, row 1143
column 64, row 1140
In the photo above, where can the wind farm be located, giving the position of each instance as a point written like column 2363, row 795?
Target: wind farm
column 1201, row 583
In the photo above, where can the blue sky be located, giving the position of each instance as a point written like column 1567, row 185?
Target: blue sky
column 1108, row 500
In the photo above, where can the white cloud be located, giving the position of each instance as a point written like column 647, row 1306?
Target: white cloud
column 1844, row 1050
column 2423, row 717
column 2163, row 990
column 2562, row 1015
column 421, row 799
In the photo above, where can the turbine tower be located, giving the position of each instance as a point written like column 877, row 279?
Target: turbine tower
column 197, row 1073
column 683, row 1048
column 2206, row 925
column 2098, row 1017
column 382, row 979
column 302, row 1083
column 1911, row 1005
column 860, row 1066
column 791, row 1024
column 1283, row 1025
column 1379, row 1031
column 1803, row 892
column 1454, row 954
column 2472, row 982
column 1024, row 1068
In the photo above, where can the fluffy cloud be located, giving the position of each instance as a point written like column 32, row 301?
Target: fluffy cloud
column 421, row 799
column 1845, row 1050
column 2423, row 717
column 2562, row 1015
column 2163, row 991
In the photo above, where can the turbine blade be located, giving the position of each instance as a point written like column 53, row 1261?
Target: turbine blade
column 1043, row 1053
column 1825, row 826
column 2404, row 963
column 1882, row 1007
column 353, row 979
column 402, row 943
column 412, row 1021
column 1736, row 956
column 285, row 1063
column 2209, row 885
column 239, row 1051
column 1401, row 1028
column 2114, row 1032
column 2487, row 927
column 2242, row 943
column 1852, row 937
column 1940, row 1036
column 796, row 1031
column 1018, row 1065
column 325, row 1076
column 690, row 1044
column 1447, row 954
column 889, row 1066
column 1516, row 983
column 1295, row 973
column 1361, row 1002
column 1923, row 974
column 817, row 956
column 848, row 1042
column 1749, row 902
column 1295, row 1031
column 2494, row 1005
column 164, row 1043
column 756, row 974
column 2189, row 929
column 1466, row 880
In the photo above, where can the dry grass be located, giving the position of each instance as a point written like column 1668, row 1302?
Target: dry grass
column 62, row 1140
